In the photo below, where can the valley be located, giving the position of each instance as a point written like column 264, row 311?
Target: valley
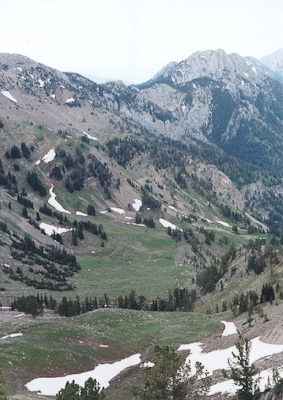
column 137, row 215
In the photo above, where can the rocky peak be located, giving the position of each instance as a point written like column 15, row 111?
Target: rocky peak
column 274, row 61
column 231, row 69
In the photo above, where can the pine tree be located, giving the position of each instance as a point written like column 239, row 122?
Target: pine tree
column 242, row 373
column 169, row 378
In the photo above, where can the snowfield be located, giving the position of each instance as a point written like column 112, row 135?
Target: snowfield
column 137, row 204
column 81, row 214
column 230, row 328
column 54, row 203
column 103, row 373
column 230, row 388
column 7, row 94
column 218, row 359
column 49, row 156
column 50, row 229
column 168, row 224
column 223, row 223
column 41, row 83
column 118, row 210
column 90, row 137
column 11, row 336
column 70, row 100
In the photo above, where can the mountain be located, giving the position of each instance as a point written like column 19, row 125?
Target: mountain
column 269, row 65
column 123, row 202
column 274, row 62
column 221, row 99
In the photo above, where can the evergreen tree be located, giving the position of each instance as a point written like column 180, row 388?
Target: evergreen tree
column 170, row 379
column 242, row 373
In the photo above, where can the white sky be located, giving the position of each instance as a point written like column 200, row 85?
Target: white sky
column 134, row 39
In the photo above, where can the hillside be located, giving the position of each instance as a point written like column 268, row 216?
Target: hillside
column 144, row 200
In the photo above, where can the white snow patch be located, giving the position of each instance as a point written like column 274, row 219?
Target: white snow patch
column 230, row 388
column 218, row 359
column 133, row 223
column 70, row 100
column 90, row 101
column 23, row 77
column 11, row 336
column 19, row 69
column 61, row 86
column 103, row 345
column 19, row 315
column 254, row 69
column 49, row 156
column 223, row 223
column 247, row 75
column 172, row 208
column 129, row 218
column 37, row 162
column 137, row 204
column 168, row 224
column 118, row 210
column 41, row 83
column 5, row 308
column 148, row 364
column 81, row 214
column 53, row 96
column 230, row 328
column 7, row 94
column 206, row 219
column 54, row 203
column 50, row 229
column 89, row 136
column 103, row 373
column 31, row 75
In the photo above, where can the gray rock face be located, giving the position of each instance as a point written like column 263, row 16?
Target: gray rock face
column 211, row 97
column 274, row 61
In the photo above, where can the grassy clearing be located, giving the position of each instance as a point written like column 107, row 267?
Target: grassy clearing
column 135, row 258
column 53, row 346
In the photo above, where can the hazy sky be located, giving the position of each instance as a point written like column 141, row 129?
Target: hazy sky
column 133, row 39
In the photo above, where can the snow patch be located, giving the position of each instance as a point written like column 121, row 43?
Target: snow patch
column 70, row 100
column 90, row 137
column 223, row 223
column 254, row 70
column 230, row 328
column 230, row 388
column 168, row 224
column 218, row 359
column 148, row 364
column 37, row 162
column 172, row 208
column 54, row 203
column 103, row 345
column 7, row 94
column 118, row 210
column 137, row 204
column 11, row 336
column 53, row 96
column 103, row 373
column 50, row 229
column 103, row 212
column 41, row 83
column 81, row 214
column 19, row 69
column 49, row 156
